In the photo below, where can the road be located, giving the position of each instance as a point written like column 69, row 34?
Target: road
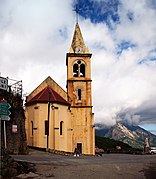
column 109, row 166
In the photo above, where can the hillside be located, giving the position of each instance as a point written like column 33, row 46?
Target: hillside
column 111, row 145
column 128, row 133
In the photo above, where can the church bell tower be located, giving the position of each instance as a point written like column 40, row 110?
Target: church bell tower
column 79, row 91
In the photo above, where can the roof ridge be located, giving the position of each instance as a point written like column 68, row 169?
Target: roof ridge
column 41, row 92
column 52, row 91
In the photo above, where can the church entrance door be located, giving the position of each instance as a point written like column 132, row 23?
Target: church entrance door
column 79, row 147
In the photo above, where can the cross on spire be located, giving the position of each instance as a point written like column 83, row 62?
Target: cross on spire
column 77, row 10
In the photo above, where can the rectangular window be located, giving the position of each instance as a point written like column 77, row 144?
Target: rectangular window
column 32, row 128
column 46, row 128
column 79, row 94
column 61, row 128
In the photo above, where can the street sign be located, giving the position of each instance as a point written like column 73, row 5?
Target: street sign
column 4, row 115
column 4, row 109
column 4, row 118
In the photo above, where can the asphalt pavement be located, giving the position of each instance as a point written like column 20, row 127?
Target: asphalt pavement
column 111, row 166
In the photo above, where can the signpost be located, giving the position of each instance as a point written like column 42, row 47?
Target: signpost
column 4, row 115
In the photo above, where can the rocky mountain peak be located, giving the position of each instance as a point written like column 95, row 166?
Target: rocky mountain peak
column 128, row 133
column 119, row 131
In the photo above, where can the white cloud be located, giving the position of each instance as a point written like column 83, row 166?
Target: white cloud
column 121, row 83
column 35, row 36
column 141, row 29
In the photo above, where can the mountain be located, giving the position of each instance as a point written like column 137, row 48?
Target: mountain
column 127, row 133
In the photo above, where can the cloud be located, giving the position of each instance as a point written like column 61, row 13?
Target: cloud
column 31, row 33
column 141, row 29
column 124, row 66
column 36, row 35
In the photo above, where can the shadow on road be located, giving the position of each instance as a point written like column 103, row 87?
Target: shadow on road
column 150, row 172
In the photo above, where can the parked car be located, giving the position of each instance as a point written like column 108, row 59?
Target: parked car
column 152, row 150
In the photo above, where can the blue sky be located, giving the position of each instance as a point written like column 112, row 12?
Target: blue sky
column 99, row 11
column 36, row 35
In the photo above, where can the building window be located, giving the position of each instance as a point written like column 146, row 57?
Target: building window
column 61, row 128
column 32, row 128
column 79, row 69
column 46, row 128
column 82, row 70
column 75, row 70
column 79, row 94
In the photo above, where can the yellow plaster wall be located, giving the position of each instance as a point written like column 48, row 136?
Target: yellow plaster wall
column 84, row 129
column 86, row 93
column 38, row 114
column 57, row 141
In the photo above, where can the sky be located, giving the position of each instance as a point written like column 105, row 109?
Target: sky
column 121, row 34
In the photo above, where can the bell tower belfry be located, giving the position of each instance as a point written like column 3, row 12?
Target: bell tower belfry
column 79, row 91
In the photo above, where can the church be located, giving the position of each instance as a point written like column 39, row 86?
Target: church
column 62, row 121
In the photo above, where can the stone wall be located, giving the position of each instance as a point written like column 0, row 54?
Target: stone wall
column 16, row 142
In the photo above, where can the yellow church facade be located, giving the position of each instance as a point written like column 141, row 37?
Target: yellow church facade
column 60, row 120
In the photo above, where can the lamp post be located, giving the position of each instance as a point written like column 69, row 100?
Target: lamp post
column 48, row 120
column 53, row 108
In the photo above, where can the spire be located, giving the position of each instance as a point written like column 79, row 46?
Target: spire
column 78, row 45
column 77, row 12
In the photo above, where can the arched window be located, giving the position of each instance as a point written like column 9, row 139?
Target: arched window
column 75, row 70
column 79, row 94
column 82, row 70
column 79, row 69
column 61, row 128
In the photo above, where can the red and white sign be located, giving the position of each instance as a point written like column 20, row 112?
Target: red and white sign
column 14, row 128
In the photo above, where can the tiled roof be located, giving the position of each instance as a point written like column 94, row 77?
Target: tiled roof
column 44, row 95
